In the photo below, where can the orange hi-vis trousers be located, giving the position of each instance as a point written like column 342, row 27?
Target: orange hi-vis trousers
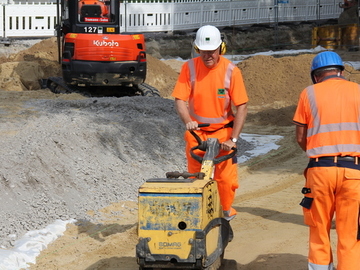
column 225, row 174
column 333, row 190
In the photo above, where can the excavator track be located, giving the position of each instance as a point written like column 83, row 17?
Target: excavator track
column 148, row 90
column 58, row 86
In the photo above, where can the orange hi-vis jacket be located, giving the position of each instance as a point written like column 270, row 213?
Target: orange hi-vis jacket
column 331, row 112
column 210, row 91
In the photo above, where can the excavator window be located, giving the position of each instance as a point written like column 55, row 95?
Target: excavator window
column 94, row 11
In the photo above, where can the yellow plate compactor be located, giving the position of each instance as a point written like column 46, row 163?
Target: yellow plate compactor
column 181, row 223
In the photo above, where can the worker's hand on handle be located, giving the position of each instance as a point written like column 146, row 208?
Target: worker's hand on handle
column 228, row 145
column 192, row 125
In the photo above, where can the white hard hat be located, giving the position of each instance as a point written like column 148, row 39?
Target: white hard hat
column 208, row 38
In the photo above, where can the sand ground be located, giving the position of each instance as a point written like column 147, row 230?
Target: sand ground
column 77, row 147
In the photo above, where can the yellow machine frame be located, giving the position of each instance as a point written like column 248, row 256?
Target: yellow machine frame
column 181, row 224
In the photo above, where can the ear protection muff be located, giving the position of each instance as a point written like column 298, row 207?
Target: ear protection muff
column 196, row 49
column 222, row 48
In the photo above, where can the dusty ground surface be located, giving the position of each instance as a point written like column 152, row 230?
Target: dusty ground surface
column 71, row 156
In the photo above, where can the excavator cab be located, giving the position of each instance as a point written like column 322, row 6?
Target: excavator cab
column 86, row 16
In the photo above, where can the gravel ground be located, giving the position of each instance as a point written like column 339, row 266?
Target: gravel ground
column 61, row 158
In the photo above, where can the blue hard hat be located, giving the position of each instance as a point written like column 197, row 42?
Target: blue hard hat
column 327, row 59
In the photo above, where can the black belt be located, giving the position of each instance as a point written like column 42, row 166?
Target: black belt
column 335, row 161
column 336, row 158
column 230, row 124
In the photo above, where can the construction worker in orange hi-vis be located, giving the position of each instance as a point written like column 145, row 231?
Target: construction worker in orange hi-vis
column 207, row 88
column 327, row 122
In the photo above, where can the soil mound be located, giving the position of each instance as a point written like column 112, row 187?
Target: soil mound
column 276, row 80
column 272, row 82
column 160, row 76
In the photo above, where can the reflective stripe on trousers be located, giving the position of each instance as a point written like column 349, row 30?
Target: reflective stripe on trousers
column 321, row 267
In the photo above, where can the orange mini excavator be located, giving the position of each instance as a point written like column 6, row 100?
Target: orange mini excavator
column 94, row 54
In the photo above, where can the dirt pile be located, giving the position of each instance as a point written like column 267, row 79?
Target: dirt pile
column 269, row 80
column 161, row 76
column 24, row 70
column 276, row 80
column 273, row 83
column 264, row 75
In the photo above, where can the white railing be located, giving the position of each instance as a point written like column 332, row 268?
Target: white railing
column 39, row 19
column 191, row 14
column 29, row 20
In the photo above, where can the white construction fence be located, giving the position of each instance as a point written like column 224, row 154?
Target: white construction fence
column 37, row 19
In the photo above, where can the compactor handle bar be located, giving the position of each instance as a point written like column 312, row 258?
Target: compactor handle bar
column 211, row 146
